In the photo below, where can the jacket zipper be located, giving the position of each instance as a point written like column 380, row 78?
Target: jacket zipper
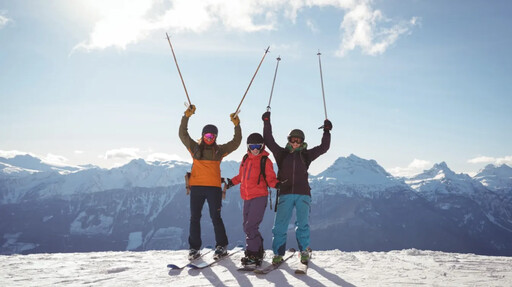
column 293, row 175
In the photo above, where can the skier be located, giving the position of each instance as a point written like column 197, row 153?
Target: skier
column 256, row 173
column 205, row 180
column 293, row 163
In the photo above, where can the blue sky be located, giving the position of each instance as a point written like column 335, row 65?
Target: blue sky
column 407, row 83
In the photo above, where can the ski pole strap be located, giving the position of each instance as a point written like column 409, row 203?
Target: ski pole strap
column 224, row 188
column 270, row 197
column 187, row 184
column 277, row 200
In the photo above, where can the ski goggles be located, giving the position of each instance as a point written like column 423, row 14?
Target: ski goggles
column 255, row 146
column 295, row 140
column 209, row 138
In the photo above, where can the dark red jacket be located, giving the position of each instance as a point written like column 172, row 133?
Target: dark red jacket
column 250, row 171
column 293, row 166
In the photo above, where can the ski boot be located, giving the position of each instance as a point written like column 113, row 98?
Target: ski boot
column 252, row 259
column 193, row 254
column 305, row 255
column 220, row 251
column 277, row 259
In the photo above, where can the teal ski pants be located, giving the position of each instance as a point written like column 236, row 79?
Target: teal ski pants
column 302, row 205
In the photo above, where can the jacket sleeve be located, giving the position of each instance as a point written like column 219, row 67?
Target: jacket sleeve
column 270, row 174
column 269, row 140
column 315, row 152
column 233, row 144
column 184, row 136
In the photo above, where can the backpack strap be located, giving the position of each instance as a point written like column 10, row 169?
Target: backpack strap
column 263, row 164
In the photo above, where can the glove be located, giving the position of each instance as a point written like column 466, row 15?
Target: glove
column 327, row 125
column 190, row 111
column 278, row 185
column 235, row 119
column 230, row 183
column 266, row 116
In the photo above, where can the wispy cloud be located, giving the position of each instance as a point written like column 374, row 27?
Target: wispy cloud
column 122, row 153
column 492, row 160
column 54, row 159
column 123, row 23
column 365, row 28
column 163, row 157
column 415, row 167
column 3, row 19
column 11, row 153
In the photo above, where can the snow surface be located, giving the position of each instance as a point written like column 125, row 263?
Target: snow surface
column 327, row 268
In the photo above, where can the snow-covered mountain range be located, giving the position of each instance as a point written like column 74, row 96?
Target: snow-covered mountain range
column 357, row 205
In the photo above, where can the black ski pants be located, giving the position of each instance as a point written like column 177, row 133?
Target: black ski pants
column 213, row 195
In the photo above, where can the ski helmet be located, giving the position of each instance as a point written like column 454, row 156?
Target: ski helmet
column 255, row 138
column 210, row 129
column 296, row 133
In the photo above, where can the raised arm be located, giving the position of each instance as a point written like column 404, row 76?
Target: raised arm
column 233, row 144
column 268, row 137
column 326, row 142
column 183, row 130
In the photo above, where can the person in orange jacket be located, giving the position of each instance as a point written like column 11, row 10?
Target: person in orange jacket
column 205, row 180
column 254, row 191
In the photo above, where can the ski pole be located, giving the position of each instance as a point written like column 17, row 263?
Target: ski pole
column 175, row 61
column 322, row 81
column 238, row 108
column 273, row 82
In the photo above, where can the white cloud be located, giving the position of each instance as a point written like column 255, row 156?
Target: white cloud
column 163, row 157
column 123, row 22
column 122, row 153
column 3, row 19
column 362, row 28
column 415, row 167
column 11, row 153
column 54, row 159
column 488, row 160
column 312, row 26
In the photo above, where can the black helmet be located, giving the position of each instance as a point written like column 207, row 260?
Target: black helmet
column 255, row 138
column 210, row 129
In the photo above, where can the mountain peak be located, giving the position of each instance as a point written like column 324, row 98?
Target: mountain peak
column 495, row 177
column 358, row 171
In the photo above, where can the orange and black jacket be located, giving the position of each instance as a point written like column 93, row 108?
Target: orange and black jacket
column 206, row 163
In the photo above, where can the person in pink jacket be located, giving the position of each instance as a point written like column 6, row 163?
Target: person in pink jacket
column 254, row 191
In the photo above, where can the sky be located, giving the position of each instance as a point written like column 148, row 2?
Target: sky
column 406, row 83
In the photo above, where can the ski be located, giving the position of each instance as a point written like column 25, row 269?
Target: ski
column 247, row 269
column 204, row 251
column 302, row 268
column 205, row 264
column 272, row 267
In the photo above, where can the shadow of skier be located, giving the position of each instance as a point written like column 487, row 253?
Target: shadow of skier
column 329, row 276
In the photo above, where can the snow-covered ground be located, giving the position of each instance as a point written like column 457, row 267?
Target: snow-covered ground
column 328, row 268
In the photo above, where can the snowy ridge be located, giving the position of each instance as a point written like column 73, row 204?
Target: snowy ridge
column 441, row 180
column 496, row 178
column 358, row 175
column 143, row 206
column 328, row 268
column 30, row 164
